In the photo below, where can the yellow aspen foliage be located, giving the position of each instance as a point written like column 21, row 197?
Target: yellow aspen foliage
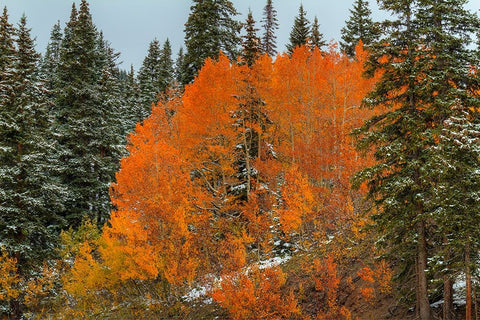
column 40, row 296
column 9, row 278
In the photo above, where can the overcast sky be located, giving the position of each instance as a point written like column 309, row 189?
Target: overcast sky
column 130, row 25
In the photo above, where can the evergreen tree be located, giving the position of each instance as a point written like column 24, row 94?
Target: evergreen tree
column 51, row 58
column 115, row 121
column 7, row 55
column 29, row 193
column 300, row 31
column 68, row 31
column 454, row 166
column 82, row 121
column 401, row 191
column 155, row 75
column 11, row 226
column 251, row 43
column 166, row 67
column 149, row 78
column 424, row 53
column 359, row 26
column 316, row 38
column 270, row 24
column 451, row 93
column 132, row 109
column 210, row 28
column 180, row 70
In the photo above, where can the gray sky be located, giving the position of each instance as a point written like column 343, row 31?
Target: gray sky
column 130, row 25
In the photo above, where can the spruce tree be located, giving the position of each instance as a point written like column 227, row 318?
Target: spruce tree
column 69, row 28
column 115, row 122
column 425, row 52
column 166, row 66
column 270, row 24
column 29, row 192
column 7, row 55
column 51, row 58
column 10, row 227
column 359, row 26
column 132, row 109
column 454, row 167
column 155, row 76
column 210, row 28
column 398, row 183
column 316, row 38
column 82, row 121
column 180, row 66
column 251, row 43
column 300, row 31
column 149, row 78
column 451, row 91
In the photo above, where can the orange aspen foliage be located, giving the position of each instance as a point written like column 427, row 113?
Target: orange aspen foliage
column 255, row 214
column 299, row 219
column 376, row 280
column 214, row 178
column 327, row 280
column 256, row 294
column 153, row 195
column 228, row 141
column 317, row 98
column 148, row 236
column 367, row 275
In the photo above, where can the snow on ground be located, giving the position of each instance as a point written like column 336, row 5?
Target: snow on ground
column 273, row 262
column 200, row 291
column 459, row 288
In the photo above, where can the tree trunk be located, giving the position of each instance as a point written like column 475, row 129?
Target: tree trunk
column 417, row 294
column 468, row 282
column 447, row 297
column 15, row 310
column 424, row 311
column 475, row 304
column 447, row 287
column 247, row 158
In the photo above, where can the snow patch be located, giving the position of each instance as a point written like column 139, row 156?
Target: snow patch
column 201, row 291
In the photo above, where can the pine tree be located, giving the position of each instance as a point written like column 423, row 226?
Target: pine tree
column 156, row 75
column 7, row 55
column 39, row 169
column 425, row 53
column 11, row 223
column 454, row 166
column 251, row 43
column 29, row 193
column 451, row 93
column 210, row 28
column 82, row 121
column 69, row 28
column 115, row 124
column 51, row 58
column 180, row 70
column 359, row 26
column 398, row 184
column 149, row 78
column 316, row 38
column 166, row 66
column 132, row 109
column 270, row 24
column 300, row 31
